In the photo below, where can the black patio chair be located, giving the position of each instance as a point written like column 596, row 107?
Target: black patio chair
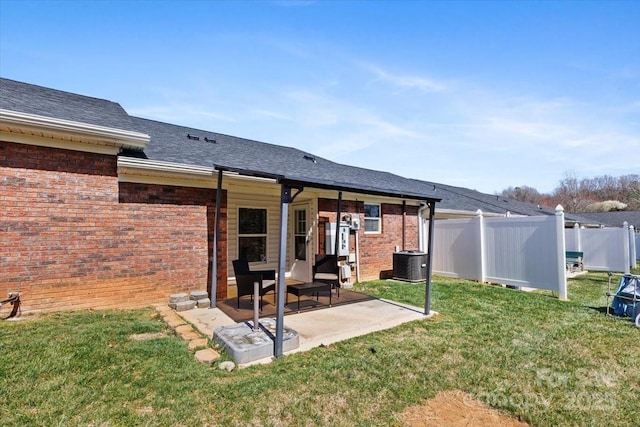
column 326, row 270
column 245, row 278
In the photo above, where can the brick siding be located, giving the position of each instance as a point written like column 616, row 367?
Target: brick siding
column 376, row 250
column 73, row 237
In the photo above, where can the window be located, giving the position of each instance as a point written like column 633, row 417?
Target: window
column 372, row 218
column 252, row 234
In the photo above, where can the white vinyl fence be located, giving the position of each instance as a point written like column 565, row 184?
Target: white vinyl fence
column 604, row 249
column 517, row 251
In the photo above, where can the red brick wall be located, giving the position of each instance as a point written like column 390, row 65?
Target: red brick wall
column 376, row 250
column 72, row 237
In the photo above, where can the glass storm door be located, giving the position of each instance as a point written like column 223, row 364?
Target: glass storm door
column 301, row 244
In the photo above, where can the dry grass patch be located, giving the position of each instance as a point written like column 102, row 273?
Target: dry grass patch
column 455, row 408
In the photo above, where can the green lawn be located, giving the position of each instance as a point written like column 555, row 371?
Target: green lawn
column 527, row 354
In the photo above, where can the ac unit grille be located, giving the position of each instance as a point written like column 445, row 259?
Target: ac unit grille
column 408, row 265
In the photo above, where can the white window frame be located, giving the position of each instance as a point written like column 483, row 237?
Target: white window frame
column 264, row 235
column 378, row 218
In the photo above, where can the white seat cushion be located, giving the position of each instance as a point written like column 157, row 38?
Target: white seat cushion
column 326, row 276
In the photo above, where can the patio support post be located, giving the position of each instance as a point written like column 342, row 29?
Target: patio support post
column 427, row 297
column 214, row 259
column 285, row 199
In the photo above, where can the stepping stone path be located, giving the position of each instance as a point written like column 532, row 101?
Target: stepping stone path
column 198, row 343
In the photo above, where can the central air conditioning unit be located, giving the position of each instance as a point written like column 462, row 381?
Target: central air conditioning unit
column 410, row 266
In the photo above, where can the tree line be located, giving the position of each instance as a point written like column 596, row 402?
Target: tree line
column 600, row 194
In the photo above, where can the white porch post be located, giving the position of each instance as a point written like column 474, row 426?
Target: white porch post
column 560, row 257
column 627, row 250
column 632, row 247
column 481, row 247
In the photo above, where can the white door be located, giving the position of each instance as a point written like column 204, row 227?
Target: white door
column 300, row 246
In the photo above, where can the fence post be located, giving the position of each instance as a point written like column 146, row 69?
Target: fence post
column 576, row 237
column 632, row 247
column 560, row 259
column 627, row 251
column 481, row 274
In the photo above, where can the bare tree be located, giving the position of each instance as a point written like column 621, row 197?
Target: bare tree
column 571, row 193
column 585, row 194
column 522, row 194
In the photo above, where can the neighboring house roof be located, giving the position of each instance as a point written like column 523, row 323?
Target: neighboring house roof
column 42, row 101
column 467, row 199
column 615, row 218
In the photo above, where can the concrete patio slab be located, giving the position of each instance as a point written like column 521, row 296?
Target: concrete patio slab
column 322, row 327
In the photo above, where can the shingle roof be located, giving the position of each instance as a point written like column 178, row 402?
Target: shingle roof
column 614, row 219
column 42, row 101
column 179, row 144
column 170, row 143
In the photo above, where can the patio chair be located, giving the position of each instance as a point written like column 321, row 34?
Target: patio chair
column 326, row 270
column 245, row 278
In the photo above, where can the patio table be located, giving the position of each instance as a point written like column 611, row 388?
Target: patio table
column 308, row 289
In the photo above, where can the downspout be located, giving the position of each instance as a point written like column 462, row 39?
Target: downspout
column 404, row 225
column 214, row 258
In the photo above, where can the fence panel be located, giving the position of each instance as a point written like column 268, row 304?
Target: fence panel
column 455, row 248
column 572, row 239
column 518, row 251
column 605, row 249
column 522, row 251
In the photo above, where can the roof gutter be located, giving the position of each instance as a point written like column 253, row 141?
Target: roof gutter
column 166, row 167
column 36, row 123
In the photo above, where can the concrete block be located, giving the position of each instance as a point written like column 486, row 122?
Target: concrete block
column 198, row 295
column 245, row 345
column 185, row 305
column 176, row 298
column 204, row 303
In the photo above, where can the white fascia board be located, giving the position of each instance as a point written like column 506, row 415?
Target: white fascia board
column 164, row 167
column 32, row 122
column 143, row 170
column 131, row 169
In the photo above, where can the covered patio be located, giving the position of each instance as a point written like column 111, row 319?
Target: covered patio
column 292, row 183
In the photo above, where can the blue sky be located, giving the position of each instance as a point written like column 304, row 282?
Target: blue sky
column 478, row 94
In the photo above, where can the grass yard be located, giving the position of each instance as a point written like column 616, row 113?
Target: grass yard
column 546, row 362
